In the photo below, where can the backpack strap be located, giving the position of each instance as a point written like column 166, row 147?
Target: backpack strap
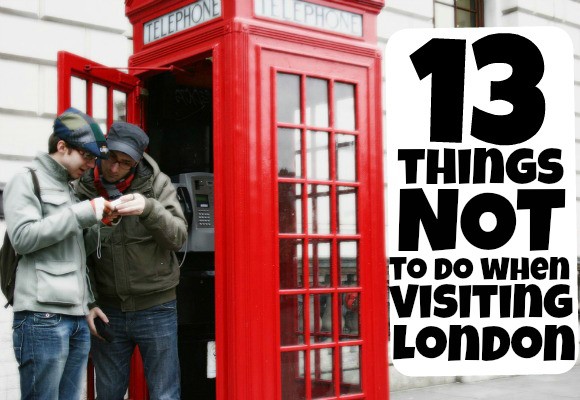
column 36, row 186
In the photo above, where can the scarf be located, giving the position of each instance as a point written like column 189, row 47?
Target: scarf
column 112, row 191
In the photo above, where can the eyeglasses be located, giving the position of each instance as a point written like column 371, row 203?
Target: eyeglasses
column 123, row 164
column 86, row 155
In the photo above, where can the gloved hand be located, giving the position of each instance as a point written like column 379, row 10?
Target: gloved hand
column 130, row 204
column 98, row 205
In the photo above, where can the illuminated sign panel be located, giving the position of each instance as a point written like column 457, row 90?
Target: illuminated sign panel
column 179, row 20
column 312, row 15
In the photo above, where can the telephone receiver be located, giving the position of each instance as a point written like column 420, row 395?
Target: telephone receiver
column 185, row 201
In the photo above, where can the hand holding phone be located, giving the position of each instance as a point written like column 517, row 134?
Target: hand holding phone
column 103, row 329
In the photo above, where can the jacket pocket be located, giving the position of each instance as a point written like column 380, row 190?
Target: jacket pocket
column 53, row 199
column 58, row 283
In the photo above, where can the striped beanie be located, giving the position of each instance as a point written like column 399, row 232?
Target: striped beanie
column 81, row 131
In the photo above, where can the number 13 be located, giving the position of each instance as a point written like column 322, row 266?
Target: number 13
column 444, row 59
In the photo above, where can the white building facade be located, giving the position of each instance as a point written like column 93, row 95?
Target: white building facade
column 33, row 31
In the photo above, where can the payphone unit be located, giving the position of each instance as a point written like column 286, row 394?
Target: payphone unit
column 195, row 194
column 196, row 292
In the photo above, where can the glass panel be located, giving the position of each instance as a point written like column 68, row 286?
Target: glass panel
column 444, row 16
column 467, row 4
column 349, row 306
column 317, row 155
column 316, row 102
column 449, row 2
column 348, row 259
column 291, row 320
column 119, row 106
column 321, row 373
column 79, row 94
column 320, row 317
column 319, row 263
column 465, row 19
column 319, row 208
column 350, row 368
column 289, row 155
column 293, row 388
column 345, row 157
column 289, row 207
column 288, row 98
column 100, row 106
column 291, row 264
column 347, row 222
column 344, row 111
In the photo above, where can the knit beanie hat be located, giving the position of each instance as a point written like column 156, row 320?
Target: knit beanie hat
column 81, row 131
column 127, row 138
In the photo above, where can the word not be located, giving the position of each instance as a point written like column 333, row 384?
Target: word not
column 441, row 230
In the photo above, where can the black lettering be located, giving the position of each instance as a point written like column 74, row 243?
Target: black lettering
column 540, row 202
column 415, row 209
column 505, row 221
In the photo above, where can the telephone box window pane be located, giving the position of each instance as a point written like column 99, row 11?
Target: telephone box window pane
column 289, row 207
column 291, row 320
column 348, row 259
column 344, row 112
column 288, row 98
column 444, row 16
column 349, row 305
column 350, row 366
column 467, row 4
column 291, row 264
column 319, row 209
column 100, row 106
column 317, row 102
column 319, row 262
column 289, row 152
column 347, row 210
column 345, row 157
column 293, row 382
column 119, row 106
column 320, row 317
column 317, row 155
column 465, row 19
column 78, row 88
column 321, row 367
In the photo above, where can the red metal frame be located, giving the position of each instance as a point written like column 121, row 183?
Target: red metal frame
column 374, row 381
column 70, row 65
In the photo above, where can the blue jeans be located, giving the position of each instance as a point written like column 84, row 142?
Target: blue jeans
column 154, row 330
column 52, row 352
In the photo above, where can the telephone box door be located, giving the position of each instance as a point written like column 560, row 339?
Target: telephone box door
column 332, row 302
column 108, row 95
column 105, row 93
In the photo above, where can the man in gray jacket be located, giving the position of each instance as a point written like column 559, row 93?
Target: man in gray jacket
column 51, row 336
column 136, row 276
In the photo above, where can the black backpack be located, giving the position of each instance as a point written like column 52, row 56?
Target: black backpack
column 9, row 258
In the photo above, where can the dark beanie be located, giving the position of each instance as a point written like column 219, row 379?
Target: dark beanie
column 127, row 138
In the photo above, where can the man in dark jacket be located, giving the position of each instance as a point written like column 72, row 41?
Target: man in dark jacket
column 136, row 272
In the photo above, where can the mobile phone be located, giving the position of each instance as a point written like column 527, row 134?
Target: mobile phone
column 104, row 329
column 115, row 203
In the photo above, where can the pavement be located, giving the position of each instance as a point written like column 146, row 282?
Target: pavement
column 524, row 387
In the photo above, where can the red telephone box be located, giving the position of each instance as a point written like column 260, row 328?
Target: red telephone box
column 280, row 101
